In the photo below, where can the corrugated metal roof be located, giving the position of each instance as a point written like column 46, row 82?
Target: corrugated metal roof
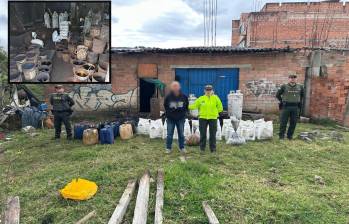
column 222, row 49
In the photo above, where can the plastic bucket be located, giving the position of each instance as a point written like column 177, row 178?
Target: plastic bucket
column 89, row 68
column 105, row 30
column 98, row 46
column 32, row 57
column 66, row 56
column 81, row 52
column 77, row 64
column 81, row 75
column 104, row 60
column 59, row 52
column 43, row 68
column 47, row 63
column 98, row 77
column 29, row 70
column 92, row 57
column 43, row 56
column 71, row 48
column 95, row 31
column 43, row 77
column 20, row 60
column 88, row 42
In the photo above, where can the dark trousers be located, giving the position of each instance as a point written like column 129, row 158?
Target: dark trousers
column 288, row 114
column 203, row 124
column 64, row 118
column 171, row 124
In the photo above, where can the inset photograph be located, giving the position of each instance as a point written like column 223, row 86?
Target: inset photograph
column 59, row 42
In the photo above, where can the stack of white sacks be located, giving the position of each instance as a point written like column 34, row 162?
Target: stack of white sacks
column 246, row 131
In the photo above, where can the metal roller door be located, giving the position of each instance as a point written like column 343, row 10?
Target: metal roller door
column 193, row 81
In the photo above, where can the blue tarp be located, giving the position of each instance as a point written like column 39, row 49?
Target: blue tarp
column 31, row 116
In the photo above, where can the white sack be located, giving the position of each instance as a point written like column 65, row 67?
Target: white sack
column 246, row 130
column 226, row 126
column 187, row 130
column 156, row 129
column 234, row 138
column 263, row 130
column 143, row 126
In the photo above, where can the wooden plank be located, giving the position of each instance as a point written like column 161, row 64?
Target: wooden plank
column 141, row 208
column 212, row 219
column 159, row 198
column 86, row 217
column 124, row 201
column 12, row 210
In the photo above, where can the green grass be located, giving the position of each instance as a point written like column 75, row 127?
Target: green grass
column 261, row 182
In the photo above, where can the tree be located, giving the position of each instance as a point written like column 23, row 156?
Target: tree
column 3, row 75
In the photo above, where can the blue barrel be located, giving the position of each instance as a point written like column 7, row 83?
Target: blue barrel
column 106, row 135
column 115, row 126
column 79, row 130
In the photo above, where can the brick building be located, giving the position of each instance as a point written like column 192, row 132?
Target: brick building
column 258, row 73
column 294, row 24
column 277, row 41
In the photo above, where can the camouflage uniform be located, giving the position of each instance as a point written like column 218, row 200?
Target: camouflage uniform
column 291, row 98
column 62, row 103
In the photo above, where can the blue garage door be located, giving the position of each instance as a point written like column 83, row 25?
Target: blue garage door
column 193, row 81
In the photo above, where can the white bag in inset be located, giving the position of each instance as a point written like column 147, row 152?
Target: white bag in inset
column 156, row 129
column 54, row 20
column 143, row 126
column 47, row 20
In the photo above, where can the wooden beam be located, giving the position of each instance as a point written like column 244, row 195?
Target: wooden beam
column 12, row 210
column 124, row 201
column 212, row 219
column 159, row 198
column 86, row 217
column 141, row 208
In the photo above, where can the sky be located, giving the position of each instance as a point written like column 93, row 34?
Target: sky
column 163, row 23
column 3, row 24
column 173, row 23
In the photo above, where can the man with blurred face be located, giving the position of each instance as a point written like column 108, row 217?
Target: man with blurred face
column 176, row 107
column 290, row 98
column 209, row 106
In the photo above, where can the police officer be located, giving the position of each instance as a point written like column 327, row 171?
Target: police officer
column 209, row 106
column 61, row 103
column 290, row 96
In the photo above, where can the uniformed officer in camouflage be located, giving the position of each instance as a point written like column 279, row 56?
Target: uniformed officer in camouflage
column 291, row 97
column 61, row 103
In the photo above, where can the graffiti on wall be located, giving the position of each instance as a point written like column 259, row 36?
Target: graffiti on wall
column 262, row 87
column 100, row 97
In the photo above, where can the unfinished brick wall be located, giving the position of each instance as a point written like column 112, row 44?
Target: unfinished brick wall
column 330, row 94
column 296, row 25
column 260, row 73
column 336, row 6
